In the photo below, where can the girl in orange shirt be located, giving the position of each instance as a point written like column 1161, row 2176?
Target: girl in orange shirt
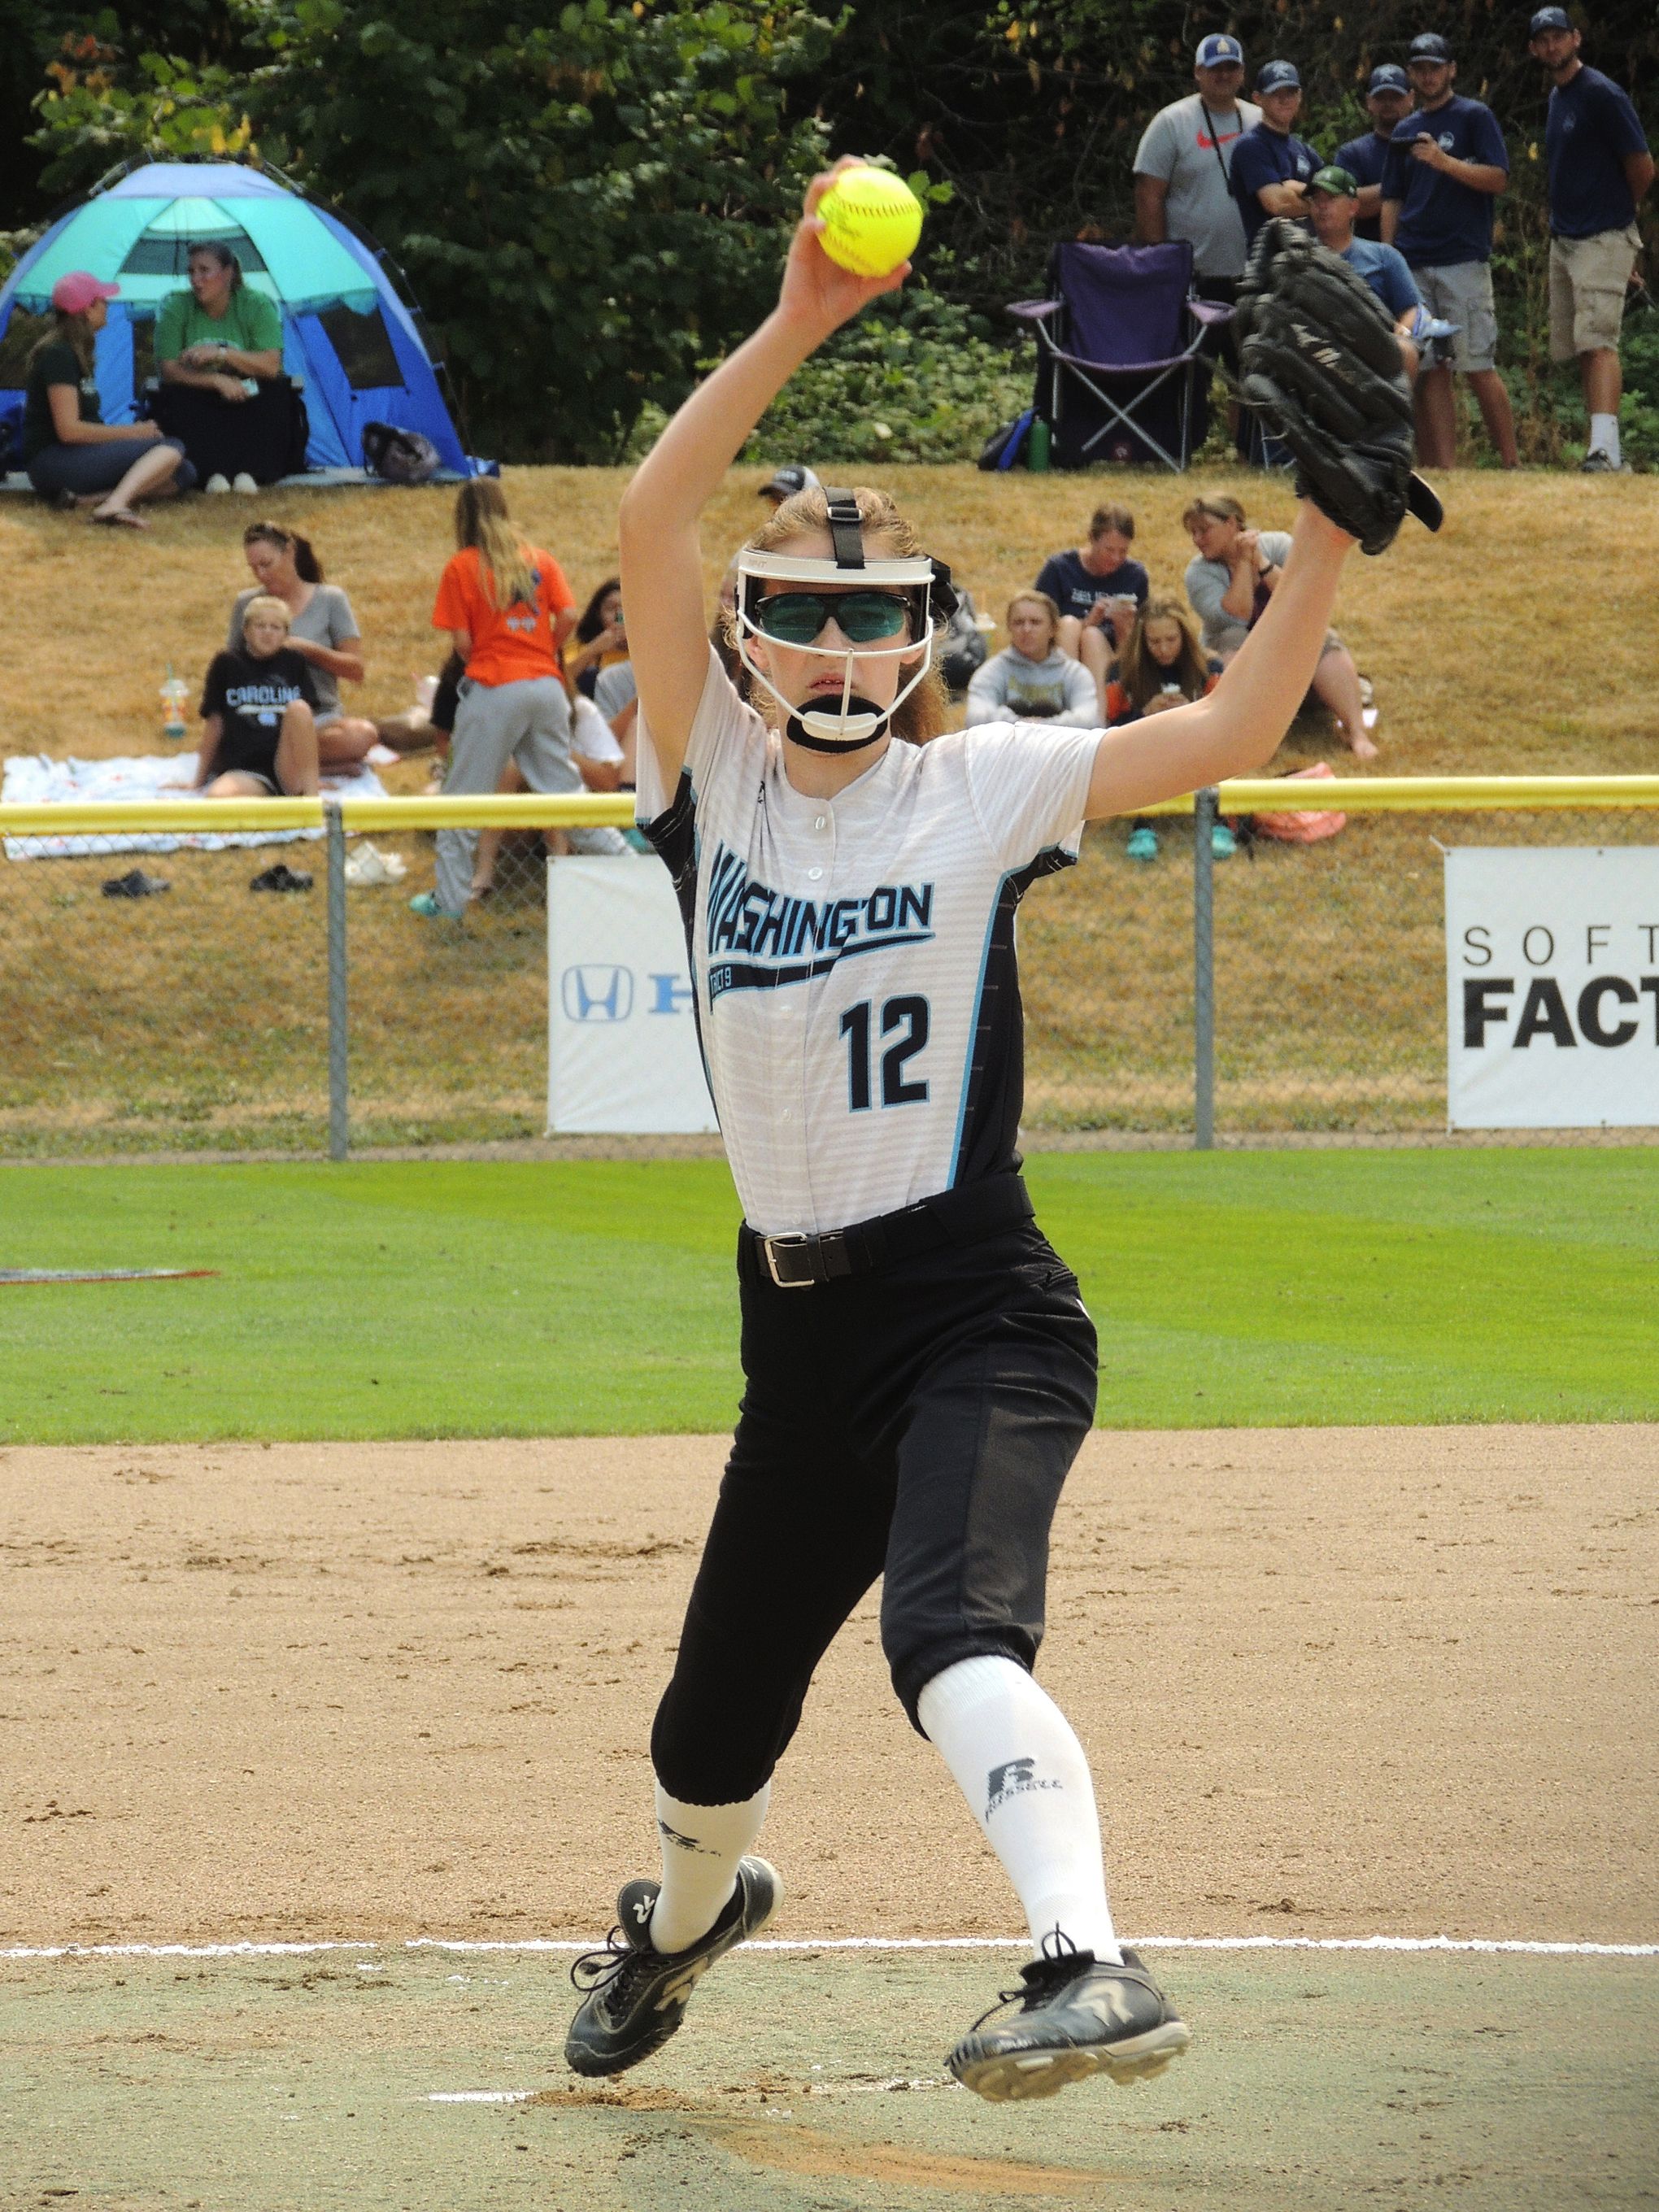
column 508, row 610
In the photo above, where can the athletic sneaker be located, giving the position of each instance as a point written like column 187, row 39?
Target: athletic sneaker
column 635, row 1998
column 1223, row 844
column 1598, row 462
column 425, row 903
column 1143, row 843
column 1077, row 2016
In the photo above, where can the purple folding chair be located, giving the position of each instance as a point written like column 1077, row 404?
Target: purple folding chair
column 1121, row 375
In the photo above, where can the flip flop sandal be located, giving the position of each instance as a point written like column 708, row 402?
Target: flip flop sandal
column 281, row 878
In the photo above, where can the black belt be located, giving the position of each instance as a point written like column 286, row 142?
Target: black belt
column 795, row 1261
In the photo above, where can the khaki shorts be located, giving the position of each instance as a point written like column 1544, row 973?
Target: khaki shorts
column 1461, row 293
column 1587, row 277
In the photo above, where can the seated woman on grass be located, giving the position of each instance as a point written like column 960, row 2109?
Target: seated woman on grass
column 1031, row 680
column 71, row 454
column 600, row 638
column 1163, row 665
column 1231, row 578
column 258, row 704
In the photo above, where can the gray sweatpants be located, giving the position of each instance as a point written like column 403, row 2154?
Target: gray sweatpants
column 529, row 722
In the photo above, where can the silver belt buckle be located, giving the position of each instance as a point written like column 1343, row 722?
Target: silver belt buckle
column 791, row 1240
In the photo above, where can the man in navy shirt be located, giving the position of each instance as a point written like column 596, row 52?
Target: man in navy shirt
column 1445, row 167
column 1333, row 204
column 1599, row 169
column 1389, row 101
column 1271, row 168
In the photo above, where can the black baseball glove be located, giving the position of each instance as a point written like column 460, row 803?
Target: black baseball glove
column 1319, row 364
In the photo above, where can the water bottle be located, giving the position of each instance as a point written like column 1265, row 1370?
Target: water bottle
column 1037, row 445
column 174, row 692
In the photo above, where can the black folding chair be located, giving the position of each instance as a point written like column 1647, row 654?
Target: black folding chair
column 1121, row 375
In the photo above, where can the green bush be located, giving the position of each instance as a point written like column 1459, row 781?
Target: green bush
column 916, row 377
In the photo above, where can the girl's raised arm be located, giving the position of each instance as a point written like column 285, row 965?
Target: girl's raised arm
column 657, row 525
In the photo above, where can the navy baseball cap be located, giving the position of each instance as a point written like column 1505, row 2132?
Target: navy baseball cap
column 1429, row 46
column 1389, row 76
column 1549, row 19
column 1277, row 77
column 1218, row 50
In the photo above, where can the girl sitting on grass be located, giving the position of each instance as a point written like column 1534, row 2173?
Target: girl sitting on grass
column 259, row 714
column 1032, row 680
column 1163, row 665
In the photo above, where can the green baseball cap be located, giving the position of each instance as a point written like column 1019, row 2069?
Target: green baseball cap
column 1336, row 180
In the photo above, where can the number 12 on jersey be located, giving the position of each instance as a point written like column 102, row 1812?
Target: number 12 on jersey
column 904, row 1020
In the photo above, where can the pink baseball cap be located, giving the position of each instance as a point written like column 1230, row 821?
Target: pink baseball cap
column 74, row 294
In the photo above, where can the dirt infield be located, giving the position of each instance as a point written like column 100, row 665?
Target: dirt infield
column 1333, row 1682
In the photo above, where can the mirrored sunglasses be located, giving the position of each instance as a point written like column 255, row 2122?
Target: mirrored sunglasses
column 799, row 617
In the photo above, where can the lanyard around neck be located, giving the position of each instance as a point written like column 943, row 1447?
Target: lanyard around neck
column 1215, row 141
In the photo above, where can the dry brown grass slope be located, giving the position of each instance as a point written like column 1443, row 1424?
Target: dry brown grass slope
column 1521, row 638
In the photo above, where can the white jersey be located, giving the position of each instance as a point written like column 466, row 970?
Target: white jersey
column 853, row 958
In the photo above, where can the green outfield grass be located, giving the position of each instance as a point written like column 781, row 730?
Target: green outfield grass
column 422, row 1299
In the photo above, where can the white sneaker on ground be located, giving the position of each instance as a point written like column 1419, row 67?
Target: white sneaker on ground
column 216, row 483
column 243, row 482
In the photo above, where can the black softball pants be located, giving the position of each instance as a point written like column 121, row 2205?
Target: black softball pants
column 917, row 1421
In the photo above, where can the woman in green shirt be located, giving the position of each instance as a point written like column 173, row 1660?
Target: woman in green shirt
column 218, row 337
column 69, row 452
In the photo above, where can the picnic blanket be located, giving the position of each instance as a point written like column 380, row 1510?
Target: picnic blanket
column 33, row 779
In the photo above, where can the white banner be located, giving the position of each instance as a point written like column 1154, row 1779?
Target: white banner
column 622, row 1058
column 1553, row 988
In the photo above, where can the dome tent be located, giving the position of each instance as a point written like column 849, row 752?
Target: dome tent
column 349, row 337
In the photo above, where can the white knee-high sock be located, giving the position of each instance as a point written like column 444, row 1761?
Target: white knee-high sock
column 701, row 1847
column 1019, row 1765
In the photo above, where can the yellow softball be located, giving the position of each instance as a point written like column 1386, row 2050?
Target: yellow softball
column 871, row 221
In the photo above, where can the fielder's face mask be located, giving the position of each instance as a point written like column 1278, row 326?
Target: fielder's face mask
column 885, row 610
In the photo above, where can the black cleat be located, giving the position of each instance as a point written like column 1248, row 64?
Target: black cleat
column 1077, row 2016
column 634, row 1997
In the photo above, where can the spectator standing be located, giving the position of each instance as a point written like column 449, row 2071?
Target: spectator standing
column 1446, row 165
column 1599, row 170
column 1233, row 574
column 1182, row 169
column 1271, row 165
column 1333, row 204
column 1097, row 588
column 1388, row 102
column 258, row 740
column 323, row 631
column 219, row 338
column 508, row 610
column 1032, row 680
column 70, row 452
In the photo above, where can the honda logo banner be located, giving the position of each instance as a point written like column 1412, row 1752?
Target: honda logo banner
column 622, row 1058
column 1553, row 988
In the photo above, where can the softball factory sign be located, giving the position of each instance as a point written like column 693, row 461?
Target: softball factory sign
column 622, row 1058
column 1553, row 988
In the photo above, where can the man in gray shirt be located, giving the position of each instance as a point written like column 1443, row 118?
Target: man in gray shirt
column 1183, row 186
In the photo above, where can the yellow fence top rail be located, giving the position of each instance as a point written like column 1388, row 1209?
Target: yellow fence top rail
column 1376, row 794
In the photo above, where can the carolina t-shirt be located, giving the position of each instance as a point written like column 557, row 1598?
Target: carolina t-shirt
column 251, row 322
column 1592, row 126
column 58, row 363
column 1362, row 159
column 1443, row 222
column 1190, row 147
column 252, row 694
column 1386, row 271
column 325, row 619
column 1267, row 157
column 1074, row 590
column 511, row 645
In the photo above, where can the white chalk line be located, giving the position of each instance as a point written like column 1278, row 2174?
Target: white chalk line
column 531, row 1945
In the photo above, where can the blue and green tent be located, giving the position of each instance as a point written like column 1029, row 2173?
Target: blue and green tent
column 349, row 334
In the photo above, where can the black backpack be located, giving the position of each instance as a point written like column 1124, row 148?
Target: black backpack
column 402, row 456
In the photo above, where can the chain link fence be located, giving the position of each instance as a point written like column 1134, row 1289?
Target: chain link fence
column 190, row 1009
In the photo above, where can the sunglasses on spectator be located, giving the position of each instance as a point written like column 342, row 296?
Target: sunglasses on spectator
column 798, row 617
